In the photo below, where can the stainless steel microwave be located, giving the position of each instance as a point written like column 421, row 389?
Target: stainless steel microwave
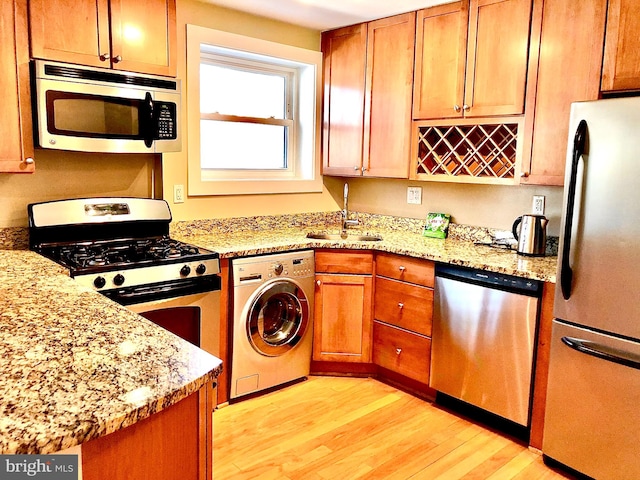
column 89, row 109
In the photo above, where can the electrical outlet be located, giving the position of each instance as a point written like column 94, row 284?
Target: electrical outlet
column 178, row 194
column 414, row 195
column 538, row 205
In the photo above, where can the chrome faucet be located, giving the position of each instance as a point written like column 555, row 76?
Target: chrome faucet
column 346, row 222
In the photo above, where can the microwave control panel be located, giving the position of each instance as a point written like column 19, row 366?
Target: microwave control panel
column 166, row 123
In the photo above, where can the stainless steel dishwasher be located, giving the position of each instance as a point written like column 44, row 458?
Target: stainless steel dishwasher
column 484, row 330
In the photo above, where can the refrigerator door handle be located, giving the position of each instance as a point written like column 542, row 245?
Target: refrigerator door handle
column 566, row 273
column 603, row 352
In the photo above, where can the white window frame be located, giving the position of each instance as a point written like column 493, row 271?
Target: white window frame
column 303, row 150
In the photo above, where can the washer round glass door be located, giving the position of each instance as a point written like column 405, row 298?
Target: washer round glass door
column 277, row 318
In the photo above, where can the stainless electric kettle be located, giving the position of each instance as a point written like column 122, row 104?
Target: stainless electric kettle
column 532, row 234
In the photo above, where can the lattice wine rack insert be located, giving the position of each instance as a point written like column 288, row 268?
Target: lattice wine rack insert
column 481, row 151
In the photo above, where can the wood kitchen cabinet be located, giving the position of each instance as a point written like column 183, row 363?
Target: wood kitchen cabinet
column 621, row 68
column 566, row 59
column 342, row 311
column 16, row 148
column 368, row 75
column 128, row 35
column 483, row 72
column 403, row 311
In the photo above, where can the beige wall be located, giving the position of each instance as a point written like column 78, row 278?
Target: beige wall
column 62, row 174
column 175, row 165
column 481, row 205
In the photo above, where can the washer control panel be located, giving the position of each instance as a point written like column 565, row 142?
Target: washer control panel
column 263, row 268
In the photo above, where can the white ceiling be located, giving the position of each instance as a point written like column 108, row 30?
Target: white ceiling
column 325, row 14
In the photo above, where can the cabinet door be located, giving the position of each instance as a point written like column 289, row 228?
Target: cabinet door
column 497, row 56
column 344, row 53
column 144, row 36
column 342, row 320
column 621, row 69
column 566, row 57
column 73, row 31
column 389, row 87
column 16, row 148
column 441, row 46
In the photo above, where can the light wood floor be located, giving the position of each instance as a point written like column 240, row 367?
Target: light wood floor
column 355, row 428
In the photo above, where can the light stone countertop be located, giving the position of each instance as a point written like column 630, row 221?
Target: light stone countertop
column 261, row 235
column 76, row 366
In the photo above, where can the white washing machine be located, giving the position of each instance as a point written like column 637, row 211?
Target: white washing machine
column 273, row 320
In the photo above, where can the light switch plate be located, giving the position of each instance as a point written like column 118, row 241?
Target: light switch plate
column 414, row 195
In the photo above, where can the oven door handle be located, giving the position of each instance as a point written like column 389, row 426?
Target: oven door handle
column 162, row 291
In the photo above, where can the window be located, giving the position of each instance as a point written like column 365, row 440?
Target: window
column 253, row 115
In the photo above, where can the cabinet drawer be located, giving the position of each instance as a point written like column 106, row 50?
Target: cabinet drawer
column 344, row 262
column 407, row 269
column 404, row 305
column 402, row 352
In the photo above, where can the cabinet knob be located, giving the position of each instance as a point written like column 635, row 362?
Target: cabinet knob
column 398, row 351
column 318, row 282
column 28, row 161
column 524, row 174
column 400, row 305
column 356, row 168
column 364, row 169
column 104, row 57
column 117, row 59
column 457, row 108
column 466, row 107
column 402, row 268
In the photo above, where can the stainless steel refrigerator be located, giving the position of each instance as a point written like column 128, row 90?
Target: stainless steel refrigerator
column 592, row 419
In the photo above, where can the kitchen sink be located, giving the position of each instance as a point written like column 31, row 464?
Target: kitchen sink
column 348, row 236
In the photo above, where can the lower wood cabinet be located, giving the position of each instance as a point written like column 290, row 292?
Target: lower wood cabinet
column 403, row 311
column 342, row 311
column 401, row 351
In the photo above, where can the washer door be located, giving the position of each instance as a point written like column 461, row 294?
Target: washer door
column 277, row 318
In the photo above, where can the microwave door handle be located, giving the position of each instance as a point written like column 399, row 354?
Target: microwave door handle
column 566, row 272
column 147, row 120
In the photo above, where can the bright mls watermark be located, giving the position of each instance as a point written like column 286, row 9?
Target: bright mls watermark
column 49, row 467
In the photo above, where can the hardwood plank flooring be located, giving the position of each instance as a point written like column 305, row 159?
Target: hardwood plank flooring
column 359, row 428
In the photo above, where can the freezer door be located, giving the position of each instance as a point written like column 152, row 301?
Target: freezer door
column 599, row 258
column 592, row 415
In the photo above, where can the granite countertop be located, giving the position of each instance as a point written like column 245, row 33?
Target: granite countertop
column 261, row 235
column 76, row 366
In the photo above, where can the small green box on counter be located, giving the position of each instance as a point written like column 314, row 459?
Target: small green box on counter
column 437, row 225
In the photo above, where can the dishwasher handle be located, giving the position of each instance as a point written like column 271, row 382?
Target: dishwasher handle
column 603, row 352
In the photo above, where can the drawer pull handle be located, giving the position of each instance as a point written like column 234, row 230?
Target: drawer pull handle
column 398, row 351
column 402, row 268
column 400, row 305
column 318, row 282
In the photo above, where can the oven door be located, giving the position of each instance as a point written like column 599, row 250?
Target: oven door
column 188, row 308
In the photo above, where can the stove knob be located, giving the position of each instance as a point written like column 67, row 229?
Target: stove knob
column 200, row 269
column 99, row 282
column 186, row 270
column 118, row 279
column 278, row 268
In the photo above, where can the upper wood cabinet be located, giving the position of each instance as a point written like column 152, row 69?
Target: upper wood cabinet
column 621, row 69
column 368, row 76
column 566, row 59
column 128, row 35
column 484, row 72
column 16, row 148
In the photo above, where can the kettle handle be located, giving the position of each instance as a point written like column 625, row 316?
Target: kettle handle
column 514, row 228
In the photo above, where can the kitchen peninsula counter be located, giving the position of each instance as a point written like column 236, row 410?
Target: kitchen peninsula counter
column 76, row 366
column 240, row 237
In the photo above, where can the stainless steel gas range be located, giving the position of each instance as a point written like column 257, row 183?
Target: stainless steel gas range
column 121, row 248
